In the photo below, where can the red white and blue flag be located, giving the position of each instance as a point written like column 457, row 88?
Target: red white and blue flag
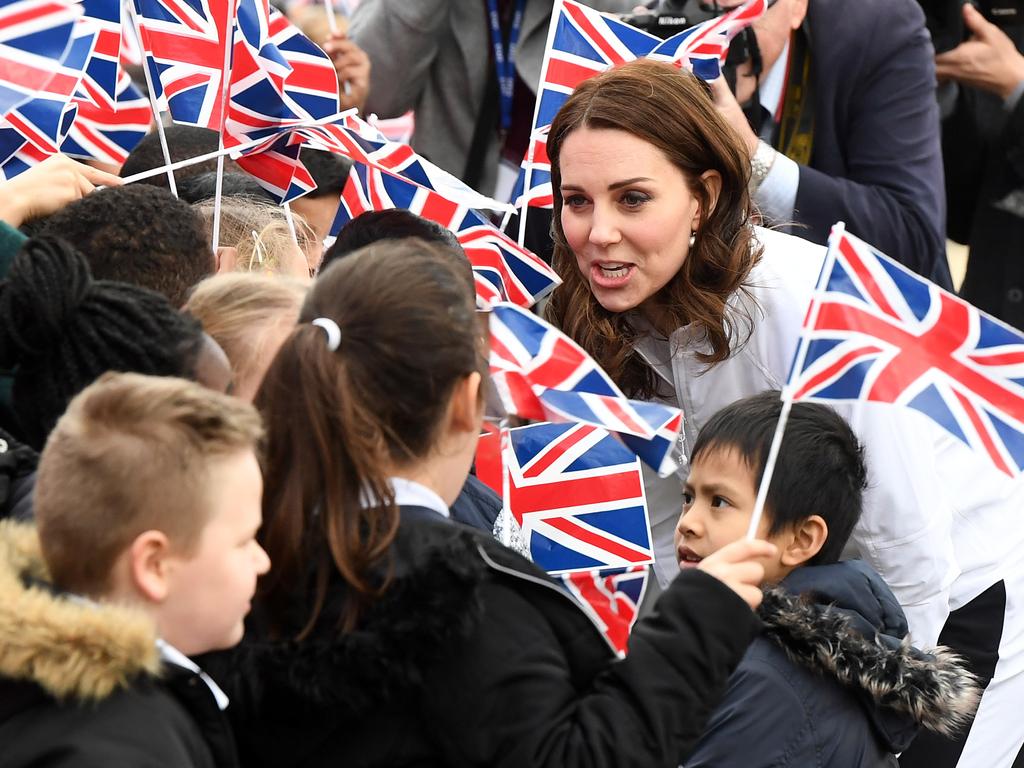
column 543, row 375
column 880, row 333
column 16, row 154
column 363, row 143
column 100, row 84
column 109, row 134
column 184, row 43
column 504, row 271
column 583, row 42
column 578, row 497
column 612, row 598
column 37, row 127
column 35, row 39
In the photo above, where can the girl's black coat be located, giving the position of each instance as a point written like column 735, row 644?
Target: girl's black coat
column 474, row 657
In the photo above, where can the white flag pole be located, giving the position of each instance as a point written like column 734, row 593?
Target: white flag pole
column 225, row 93
column 556, row 12
column 137, row 30
column 505, row 444
column 218, row 152
column 291, row 226
column 794, row 373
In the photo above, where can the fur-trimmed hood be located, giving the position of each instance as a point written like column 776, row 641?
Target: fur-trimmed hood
column 70, row 648
column 842, row 622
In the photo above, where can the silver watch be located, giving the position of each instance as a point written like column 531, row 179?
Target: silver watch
column 760, row 164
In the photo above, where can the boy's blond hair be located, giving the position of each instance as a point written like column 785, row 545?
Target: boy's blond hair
column 131, row 454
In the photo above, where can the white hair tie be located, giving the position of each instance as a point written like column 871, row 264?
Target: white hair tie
column 332, row 330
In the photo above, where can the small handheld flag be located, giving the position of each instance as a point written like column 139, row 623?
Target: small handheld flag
column 578, row 496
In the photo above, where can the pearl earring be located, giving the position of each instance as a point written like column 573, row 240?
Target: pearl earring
column 693, row 237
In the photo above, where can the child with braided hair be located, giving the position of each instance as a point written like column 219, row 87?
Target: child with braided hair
column 60, row 330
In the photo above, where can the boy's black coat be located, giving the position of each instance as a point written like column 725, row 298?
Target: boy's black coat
column 79, row 685
column 473, row 657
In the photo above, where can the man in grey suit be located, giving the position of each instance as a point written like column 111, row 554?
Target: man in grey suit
column 438, row 58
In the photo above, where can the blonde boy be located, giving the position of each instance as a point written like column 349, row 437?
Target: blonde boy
column 147, row 504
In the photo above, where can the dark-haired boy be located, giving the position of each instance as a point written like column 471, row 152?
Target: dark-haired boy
column 147, row 504
column 832, row 681
column 138, row 234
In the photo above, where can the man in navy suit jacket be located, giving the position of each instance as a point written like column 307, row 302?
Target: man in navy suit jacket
column 850, row 126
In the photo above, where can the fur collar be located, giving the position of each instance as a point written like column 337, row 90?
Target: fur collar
column 71, row 649
column 934, row 689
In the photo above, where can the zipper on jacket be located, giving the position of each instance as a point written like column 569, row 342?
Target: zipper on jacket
column 547, row 585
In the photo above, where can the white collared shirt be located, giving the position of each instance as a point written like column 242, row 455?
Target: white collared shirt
column 776, row 197
column 171, row 655
column 409, row 493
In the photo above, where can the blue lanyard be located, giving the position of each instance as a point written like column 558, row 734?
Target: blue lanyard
column 504, row 60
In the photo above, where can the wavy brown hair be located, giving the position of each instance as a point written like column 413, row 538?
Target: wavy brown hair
column 671, row 110
column 336, row 421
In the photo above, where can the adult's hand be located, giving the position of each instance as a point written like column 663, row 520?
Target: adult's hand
column 736, row 565
column 731, row 110
column 48, row 187
column 353, row 68
column 989, row 60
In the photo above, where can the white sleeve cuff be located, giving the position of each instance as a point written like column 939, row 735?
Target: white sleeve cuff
column 776, row 197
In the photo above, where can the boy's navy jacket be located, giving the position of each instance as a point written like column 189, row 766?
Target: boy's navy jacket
column 82, row 685
column 832, row 681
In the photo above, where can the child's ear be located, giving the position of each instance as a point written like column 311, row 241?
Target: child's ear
column 227, row 258
column 808, row 538
column 465, row 410
column 149, row 565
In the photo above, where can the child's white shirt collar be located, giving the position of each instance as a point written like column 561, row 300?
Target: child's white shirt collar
column 171, row 655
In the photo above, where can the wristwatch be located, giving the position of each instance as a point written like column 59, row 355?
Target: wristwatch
column 760, row 164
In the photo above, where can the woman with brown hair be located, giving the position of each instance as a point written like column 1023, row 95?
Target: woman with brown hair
column 670, row 286
column 388, row 635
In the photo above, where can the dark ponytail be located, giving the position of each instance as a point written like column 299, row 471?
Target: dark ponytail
column 338, row 422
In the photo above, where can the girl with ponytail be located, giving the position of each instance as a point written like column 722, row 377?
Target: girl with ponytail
column 388, row 635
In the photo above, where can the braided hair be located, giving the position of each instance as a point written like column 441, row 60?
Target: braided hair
column 60, row 330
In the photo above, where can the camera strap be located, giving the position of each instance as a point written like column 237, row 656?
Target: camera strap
column 796, row 126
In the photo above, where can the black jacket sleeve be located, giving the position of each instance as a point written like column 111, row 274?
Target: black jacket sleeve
column 512, row 697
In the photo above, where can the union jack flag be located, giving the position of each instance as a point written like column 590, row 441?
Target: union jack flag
column 583, row 42
column 185, row 42
column 16, row 154
column 107, row 134
column 43, row 122
column 879, row 332
column 612, row 598
column 279, row 76
column 35, row 38
column 363, row 143
column 279, row 79
column 578, row 496
column 503, row 270
column 543, row 375
column 102, row 81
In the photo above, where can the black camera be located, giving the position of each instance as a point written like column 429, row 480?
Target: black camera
column 667, row 17
column 945, row 19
